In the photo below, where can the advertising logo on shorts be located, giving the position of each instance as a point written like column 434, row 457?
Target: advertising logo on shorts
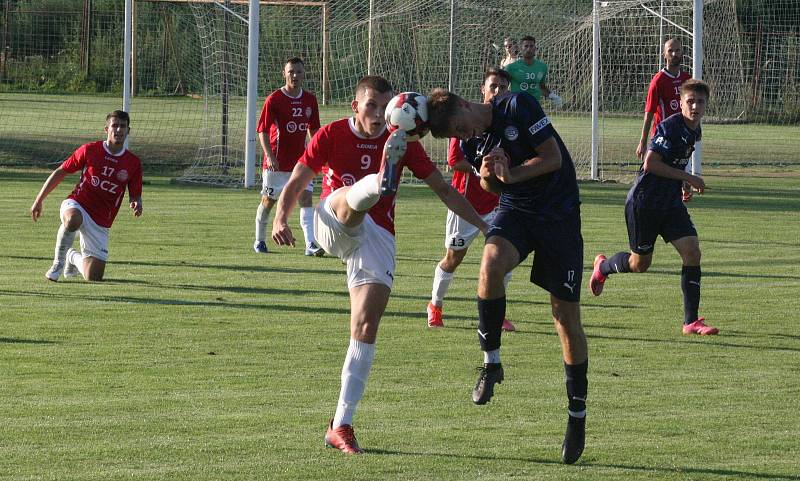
column 348, row 179
column 122, row 175
column 511, row 133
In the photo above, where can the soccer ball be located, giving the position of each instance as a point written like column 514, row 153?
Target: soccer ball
column 408, row 111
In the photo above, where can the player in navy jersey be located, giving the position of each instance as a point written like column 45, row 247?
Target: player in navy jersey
column 524, row 159
column 655, row 206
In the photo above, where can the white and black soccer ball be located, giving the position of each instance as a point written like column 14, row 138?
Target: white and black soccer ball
column 408, row 111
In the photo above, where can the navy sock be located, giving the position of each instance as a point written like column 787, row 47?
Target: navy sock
column 616, row 263
column 491, row 313
column 690, row 285
column 577, row 385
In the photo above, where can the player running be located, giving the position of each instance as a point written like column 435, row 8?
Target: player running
column 107, row 169
column 460, row 233
column 655, row 206
column 290, row 114
column 355, row 222
column 539, row 212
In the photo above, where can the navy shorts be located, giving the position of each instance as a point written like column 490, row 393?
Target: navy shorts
column 557, row 247
column 644, row 225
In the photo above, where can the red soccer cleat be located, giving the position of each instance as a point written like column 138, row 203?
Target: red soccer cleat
column 507, row 326
column 597, row 280
column 699, row 327
column 342, row 438
column 434, row 316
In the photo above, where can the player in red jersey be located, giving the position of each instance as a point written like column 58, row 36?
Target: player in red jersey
column 355, row 222
column 663, row 95
column 460, row 233
column 107, row 169
column 289, row 115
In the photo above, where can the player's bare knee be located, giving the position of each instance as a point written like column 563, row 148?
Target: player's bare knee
column 72, row 219
column 640, row 264
column 452, row 259
column 691, row 257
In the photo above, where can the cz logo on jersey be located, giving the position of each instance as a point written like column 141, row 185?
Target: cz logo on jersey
column 104, row 184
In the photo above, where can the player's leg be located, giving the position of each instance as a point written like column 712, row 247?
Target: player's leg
column 307, row 223
column 90, row 262
column 458, row 237
column 500, row 256
column 351, row 208
column 567, row 318
column 369, row 270
column 689, row 249
column 643, row 229
column 71, row 220
column 269, row 196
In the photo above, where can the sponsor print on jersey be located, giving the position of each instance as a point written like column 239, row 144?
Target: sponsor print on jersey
column 533, row 129
column 511, row 133
column 662, row 141
column 122, row 175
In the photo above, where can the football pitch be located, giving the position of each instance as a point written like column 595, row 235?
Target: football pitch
column 199, row 360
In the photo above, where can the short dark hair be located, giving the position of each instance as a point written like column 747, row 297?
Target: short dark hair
column 120, row 114
column 295, row 60
column 529, row 38
column 498, row 72
column 696, row 86
column 442, row 106
column 375, row 82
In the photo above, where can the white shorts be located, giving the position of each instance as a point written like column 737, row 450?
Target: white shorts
column 272, row 183
column 94, row 238
column 368, row 250
column 459, row 233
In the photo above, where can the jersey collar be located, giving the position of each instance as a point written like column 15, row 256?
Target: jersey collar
column 105, row 147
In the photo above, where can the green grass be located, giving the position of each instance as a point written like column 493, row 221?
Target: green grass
column 198, row 360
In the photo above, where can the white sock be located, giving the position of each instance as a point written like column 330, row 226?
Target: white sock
column 441, row 283
column 491, row 357
column 506, row 280
column 76, row 259
column 355, row 372
column 364, row 194
column 307, row 224
column 64, row 240
column 262, row 217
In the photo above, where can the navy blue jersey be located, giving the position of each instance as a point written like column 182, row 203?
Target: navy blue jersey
column 674, row 141
column 519, row 126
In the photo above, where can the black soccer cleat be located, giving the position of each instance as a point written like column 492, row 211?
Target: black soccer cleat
column 574, row 438
column 490, row 374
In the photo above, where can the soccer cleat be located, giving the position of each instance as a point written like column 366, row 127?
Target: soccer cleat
column 699, row 327
column 393, row 151
column 507, row 326
column 434, row 316
column 313, row 250
column 598, row 279
column 490, row 374
column 342, row 438
column 574, row 439
column 71, row 270
column 55, row 271
column 260, row 247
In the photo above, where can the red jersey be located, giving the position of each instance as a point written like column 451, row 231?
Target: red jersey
column 103, row 180
column 664, row 96
column 289, row 119
column 468, row 184
column 349, row 157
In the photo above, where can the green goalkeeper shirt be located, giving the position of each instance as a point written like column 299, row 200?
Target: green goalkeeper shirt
column 528, row 78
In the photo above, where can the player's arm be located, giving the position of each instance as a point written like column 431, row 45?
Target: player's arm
column 654, row 164
column 462, row 166
column 51, row 183
column 301, row 176
column 264, row 141
column 489, row 180
column 641, row 149
column 548, row 159
column 454, row 201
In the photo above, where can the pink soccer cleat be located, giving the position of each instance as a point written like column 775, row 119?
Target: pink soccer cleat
column 597, row 280
column 434, row 316
column 507, row 326
column 342, row 438
column 699, row 327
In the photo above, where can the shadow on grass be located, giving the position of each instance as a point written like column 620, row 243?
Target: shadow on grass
column 676, row 471
column 14, row 340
